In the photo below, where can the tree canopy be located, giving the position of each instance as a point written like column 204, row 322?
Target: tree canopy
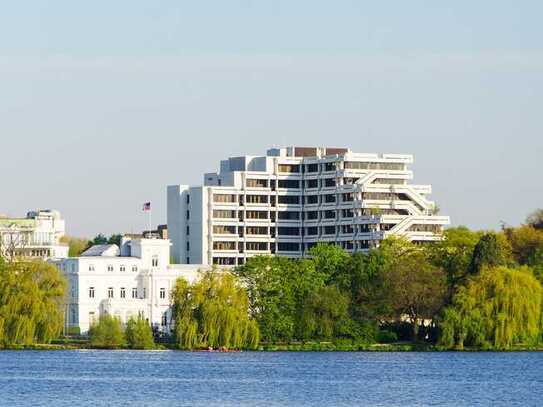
column 498, row 308
column 31, row 303
column 213, row 313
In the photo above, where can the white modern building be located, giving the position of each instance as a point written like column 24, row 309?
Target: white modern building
column 292, row 198
column 37, row 236
column 135, row 279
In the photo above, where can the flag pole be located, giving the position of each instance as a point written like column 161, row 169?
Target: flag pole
column 150, row 209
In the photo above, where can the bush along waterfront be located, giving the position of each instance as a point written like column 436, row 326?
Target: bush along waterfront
column 108, row 333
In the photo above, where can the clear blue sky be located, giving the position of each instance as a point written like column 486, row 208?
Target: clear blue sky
column 104, row 103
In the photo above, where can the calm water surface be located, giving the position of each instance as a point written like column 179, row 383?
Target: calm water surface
column 104, row 378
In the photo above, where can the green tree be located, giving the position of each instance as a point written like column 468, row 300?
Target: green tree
column 492, row 250
column 139, row 334
column 107, row 333
column 498, row 308
column 31, row 303
column 416, row 288
column 213, row 312
column 454, row 254
column 330, row 261
column 364, row 282
column 276, row 287
column 98, row 240
column 324, row 314
column 76, row 245
column 527, row 245
column 115, row 239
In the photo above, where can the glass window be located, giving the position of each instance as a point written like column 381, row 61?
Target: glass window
column 123, row 292
column 224, row 214
column 224, row 245
column 289, row 168
column 257, row 183
column 134, row 293
column 288, row 183
column 288, row 199
column 224, row 198
column 91, row 292
column 162, row 293
column 110, row 292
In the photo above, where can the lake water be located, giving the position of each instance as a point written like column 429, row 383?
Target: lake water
column 109, row 378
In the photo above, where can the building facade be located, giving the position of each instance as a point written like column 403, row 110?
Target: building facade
column 37, row 236
column 135, row 279
column 292, row 198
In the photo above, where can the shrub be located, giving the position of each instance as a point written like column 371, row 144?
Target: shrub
column 107, row 333
column 139, row 334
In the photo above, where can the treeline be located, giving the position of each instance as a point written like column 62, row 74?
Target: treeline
column 472, row 289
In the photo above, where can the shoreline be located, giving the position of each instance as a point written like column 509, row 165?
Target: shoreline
column 310, row 347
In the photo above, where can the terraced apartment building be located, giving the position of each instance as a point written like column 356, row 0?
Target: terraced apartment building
column 292, row 198
column 36, row 236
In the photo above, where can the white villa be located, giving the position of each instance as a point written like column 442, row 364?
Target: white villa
column 135, row 279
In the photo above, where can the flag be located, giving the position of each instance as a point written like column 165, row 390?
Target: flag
column 146, row 206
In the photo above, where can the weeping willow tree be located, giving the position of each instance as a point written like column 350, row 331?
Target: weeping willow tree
column 31, row 303
column 497, row 309
column 213, row 313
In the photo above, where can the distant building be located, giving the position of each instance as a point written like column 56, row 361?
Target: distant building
column 37, row 236
column 287, row 201
column 134, row 279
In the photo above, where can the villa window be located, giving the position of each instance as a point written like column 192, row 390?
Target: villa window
column 91, row 267
column 162, row 293
column 110, row 268
column 110, row 292
column 134, row 268
column 123, row 292
column 122, row 268
column 91, row 292
column 134, row 293
column 154, row 262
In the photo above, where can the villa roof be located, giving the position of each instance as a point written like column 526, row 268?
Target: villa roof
column 104, row 250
